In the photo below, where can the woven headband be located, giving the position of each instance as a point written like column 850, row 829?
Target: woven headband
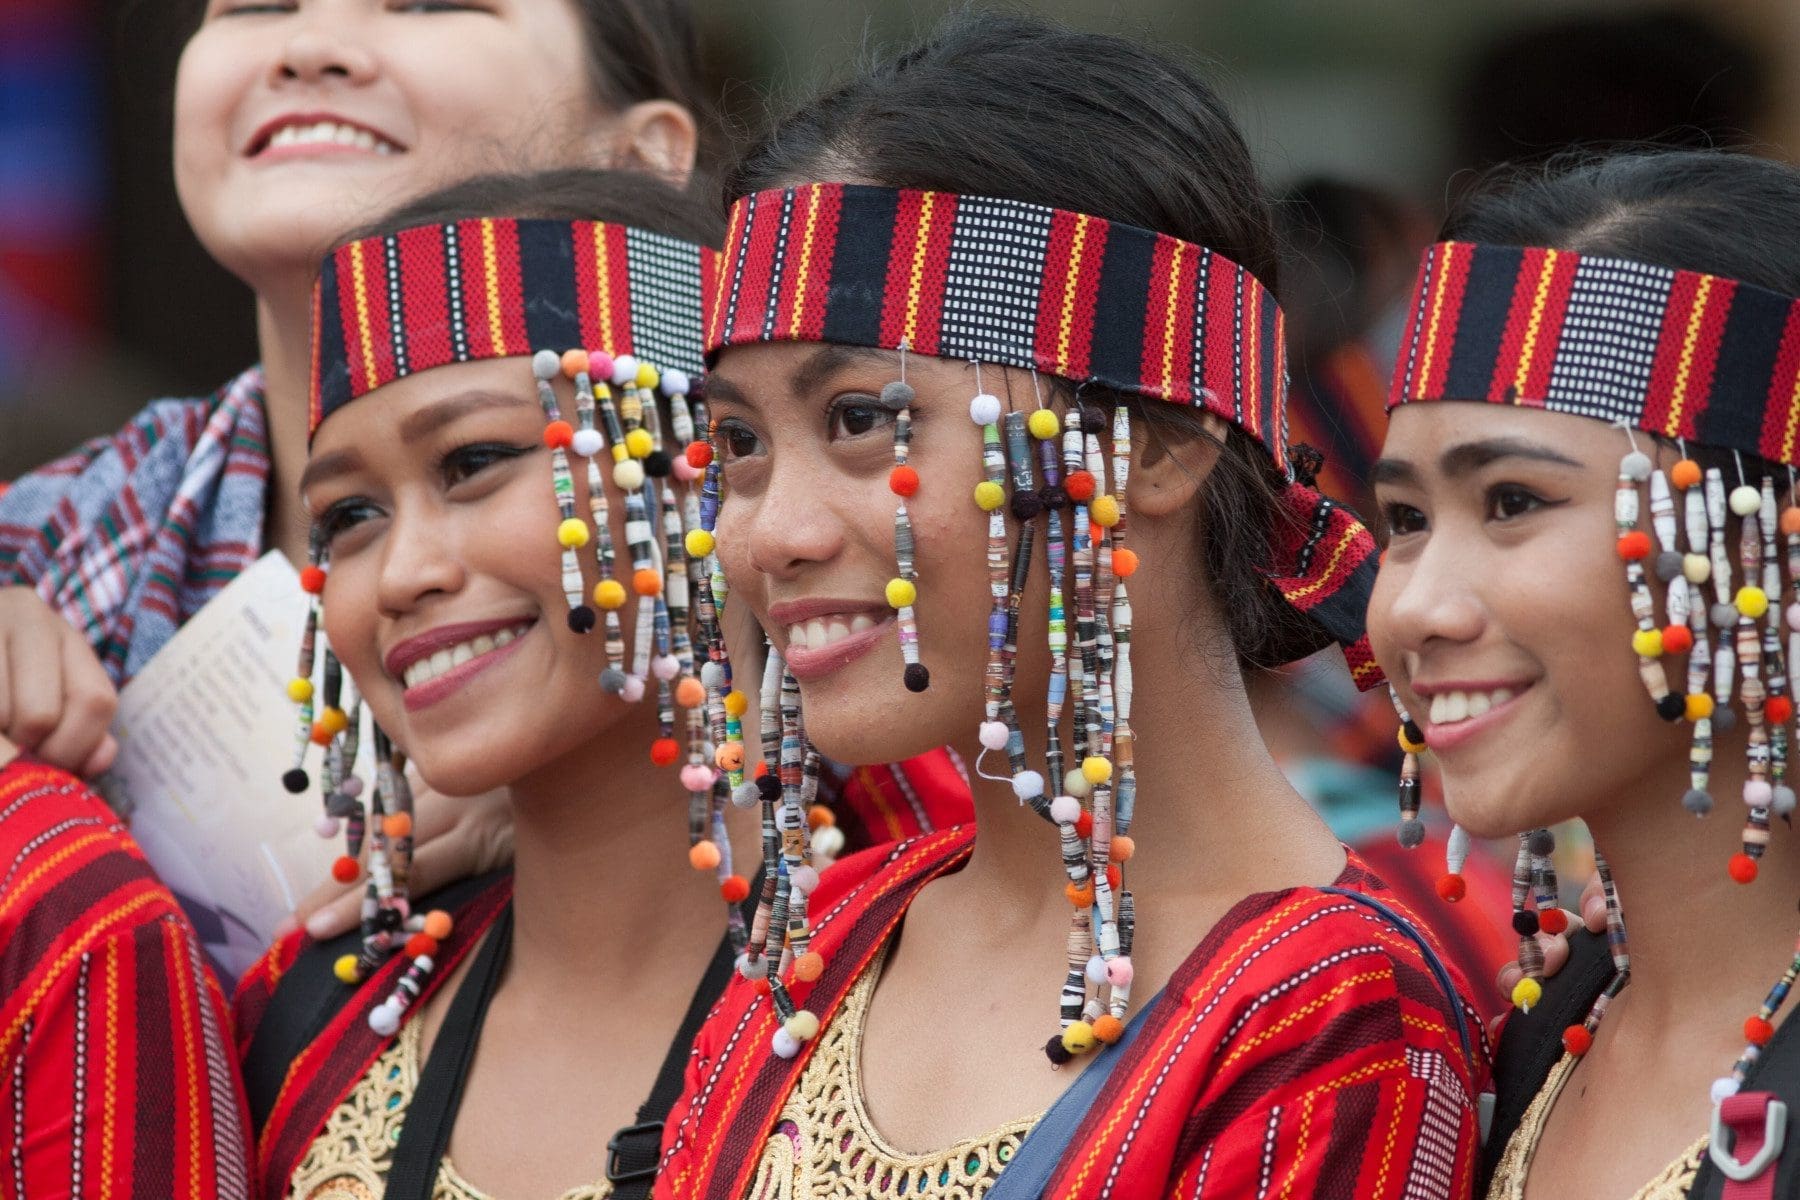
column 386, row 307
column 1674, row 353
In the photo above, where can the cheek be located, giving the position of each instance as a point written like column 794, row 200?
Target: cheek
column 350, row 621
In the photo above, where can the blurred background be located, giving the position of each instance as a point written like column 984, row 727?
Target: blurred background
column 1365, row 112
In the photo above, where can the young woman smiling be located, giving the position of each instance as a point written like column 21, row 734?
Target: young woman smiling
column 914, row 249
column 1582, row 604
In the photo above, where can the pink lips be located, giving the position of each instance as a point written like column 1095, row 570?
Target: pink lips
column 260, row 149
column 816, row 664
column 413, row 649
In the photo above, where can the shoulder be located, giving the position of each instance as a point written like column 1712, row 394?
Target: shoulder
column 869, row 873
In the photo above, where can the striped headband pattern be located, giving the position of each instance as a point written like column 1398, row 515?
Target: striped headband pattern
column 1062, row 293
column 1005, row 282
column 1675, row 353
column 389, row 306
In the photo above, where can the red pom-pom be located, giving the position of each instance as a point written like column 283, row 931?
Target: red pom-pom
column 1677, row 639
column 1743, row 868
column 1577, row 1040
column 321, row 734
column 1778, row 709
column 762, row 986
column 1451, row 888
column 421, row 945
column 1124, row 563
column 903, row 481
column 1084, row 825
column 1552, row 920
column 646, row 581
column 558, row 434
column 699, row 455
column 735, row 889
column 1080, row 486
column 1634, row 546
column 664, row 752
column 345, row 869
column 1758, row 1031
column 312, row 580
column 1112, row 876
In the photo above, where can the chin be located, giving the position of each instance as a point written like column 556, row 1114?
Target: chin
column 1489, row 806
column 858, row 730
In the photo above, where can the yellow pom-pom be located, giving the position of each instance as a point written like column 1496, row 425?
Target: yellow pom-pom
column 901, row 593
column 1096, row 769
column 639, row 443
column 1526, row 993
column 1647, row 643
column 1752, row 602
column 1408, row 746
column 648, row 376
column 609, row 594
column 1699, row 706
column 1104, row 510
column 736, row 703
column 1079, row 1038
column 334, row 721
column 803, row 1026
column 300, row 690
column 572, row 534
column 1043, row 425
column 345, row 969
column 699, row 543
column 989, row 495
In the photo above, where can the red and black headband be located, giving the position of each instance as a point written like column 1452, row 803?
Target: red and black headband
column 1064, row 293
column 390, row 306
column 1675, row 353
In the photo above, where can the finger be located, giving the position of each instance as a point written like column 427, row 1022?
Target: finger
column 1593, row 906
column 101, row 760
column 1556, row 952
column 339, row 915
column 1509, row 978
column 36, row 687
column 89, row 702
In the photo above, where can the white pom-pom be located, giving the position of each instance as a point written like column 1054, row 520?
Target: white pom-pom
column 1745, row 500
column 984, row 409
column 1076, row 784
column 384, row 1019
column 633, row 691
column 784, row 1044
column 675, row 383
column 1027, row 784
column 1096, row 969
column 665, row 667
column 828, row 841
column 805, row 880
column 624, row 370
column 1723, row 1089
column 712, row 674
column 1636, row 467
column 993, row 735
column 545, row 364
column 587, row 442
column 753, row 969
column 1065, row 810
column 628, row 475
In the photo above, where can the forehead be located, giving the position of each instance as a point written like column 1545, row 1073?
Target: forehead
column 1420, row 432
column 394, row 409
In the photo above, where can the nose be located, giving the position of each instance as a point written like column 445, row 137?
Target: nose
column 326, row 42
column 419, row 560
column 791, row 523
column 1433, row 597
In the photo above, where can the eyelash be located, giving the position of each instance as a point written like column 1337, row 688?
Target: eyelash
column 1395, row 516
column 469, row 459
column 412, row 6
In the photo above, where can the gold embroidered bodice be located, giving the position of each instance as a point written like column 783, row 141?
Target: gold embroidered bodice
column 824, row 1147
column 1671, row 1183
column 349, row 1159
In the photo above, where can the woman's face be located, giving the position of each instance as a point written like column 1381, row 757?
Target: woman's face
column 806, row 538
column 444, row 596
column 1502, row 614
column 298, row 121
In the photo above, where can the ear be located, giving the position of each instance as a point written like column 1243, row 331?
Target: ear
column 1169, row 467
column 658, row 136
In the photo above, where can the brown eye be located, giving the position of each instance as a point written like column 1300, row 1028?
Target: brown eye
column 854, row 416
column 1509, row 500
column 737, row 440
column 1402, row 519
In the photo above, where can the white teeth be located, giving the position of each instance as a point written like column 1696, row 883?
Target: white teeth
column 429, row 668
column 821, row 632
column 330, row 133
column 1448, row 708
column 817, row 636
column 861, row 622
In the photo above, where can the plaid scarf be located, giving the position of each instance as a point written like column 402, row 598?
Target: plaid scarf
column 131, row 534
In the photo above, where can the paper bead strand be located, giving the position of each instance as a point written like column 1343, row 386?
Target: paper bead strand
column 300, row 687
column 571, row 531
column 1634, row 548
column 1696, row 571
column 903, row 481
column 1412, row 744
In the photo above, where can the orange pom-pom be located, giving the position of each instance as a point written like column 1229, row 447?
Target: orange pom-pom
column 438, row 924
column 1577, row 1040
column 735, row 889
column 1451, row 888
column 646, row 582
column 903, row 481
column 421, row 945
column 1790, row 520
column 574, row 362
column 1757, row 1031
column 397, row 825
column 1122, row 848
column 1084, row 825
column 321, row 734
column 664, row 752
column 809, row 966
column 312, row 580
column 699, row 455
column 1080, row 486
column 703, row 856
column 819, row 816
column 345, row 869
column 1742, row 868
column 729, row 757
column 1677, row 639
column 1685, row 474
column 1634, row 546
column 690, row 693
column 558, row 434
column 759, row 770
column 1080, row 897
column 1779, row 709
column 1552, row 920
column 1108, row 1029
column 1124, row 563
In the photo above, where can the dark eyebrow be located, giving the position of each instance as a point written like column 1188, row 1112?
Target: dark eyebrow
column 1469, row 457
column 720, row 388
column 328, row 466
column 830, row 359
column 411, row 429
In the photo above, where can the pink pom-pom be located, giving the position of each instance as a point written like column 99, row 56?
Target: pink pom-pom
column 993, row 735
column 1793, row 617
column 1118, row 971
column 353, row 787
column 1065, row 810
column 697, row 777
column 685, row 471
column 665, row 667
column 804, row 880
column 600, row 365
column 1758, row 793
column 326, row 827
column 633, row 690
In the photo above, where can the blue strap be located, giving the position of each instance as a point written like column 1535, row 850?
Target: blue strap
column 1028, row 1173
column 1431, row 959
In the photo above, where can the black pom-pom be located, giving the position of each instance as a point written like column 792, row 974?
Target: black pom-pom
column 768, row 787
column 1724, row 719
column 1053, row 497
column 1414, row 734
column 1025, row 505
column 294, row 780
column 657, row 464
column 389, row 919
column 1057, row 1053
column 1671, row 707
column 917, row 677
column 1525, row 923
column 581, row 618
column 1541, row 843
column 1093, row 420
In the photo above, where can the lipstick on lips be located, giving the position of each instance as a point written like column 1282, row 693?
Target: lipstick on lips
column 435, row 664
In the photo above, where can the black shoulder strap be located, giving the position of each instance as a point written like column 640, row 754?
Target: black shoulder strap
column 1531, row 1043
column 309, row 995
column 1440, row 972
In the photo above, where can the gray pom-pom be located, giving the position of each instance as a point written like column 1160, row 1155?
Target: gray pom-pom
column 1541, row 843
column 1697, row 802
column 745, row 795
column 1668, row 566
column 612, row 680
column 898, row 393
column 1635, row 466
column 1724, row 719
column 1783, row 803
column 1724, row 616
column 1412, row 833
column 546, row 364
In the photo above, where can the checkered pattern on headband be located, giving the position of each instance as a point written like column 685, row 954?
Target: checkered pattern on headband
column 389, row 306
column 1675, row 353
column 1006, row 282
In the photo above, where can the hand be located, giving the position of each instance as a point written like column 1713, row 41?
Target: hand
column 454, row 837
column 1556, row 945
column 56, row 700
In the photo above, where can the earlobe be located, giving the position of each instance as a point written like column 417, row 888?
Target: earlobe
column 659, row 136
column 1172, row 464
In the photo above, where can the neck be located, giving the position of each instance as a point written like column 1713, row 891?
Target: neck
column 284, row 339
